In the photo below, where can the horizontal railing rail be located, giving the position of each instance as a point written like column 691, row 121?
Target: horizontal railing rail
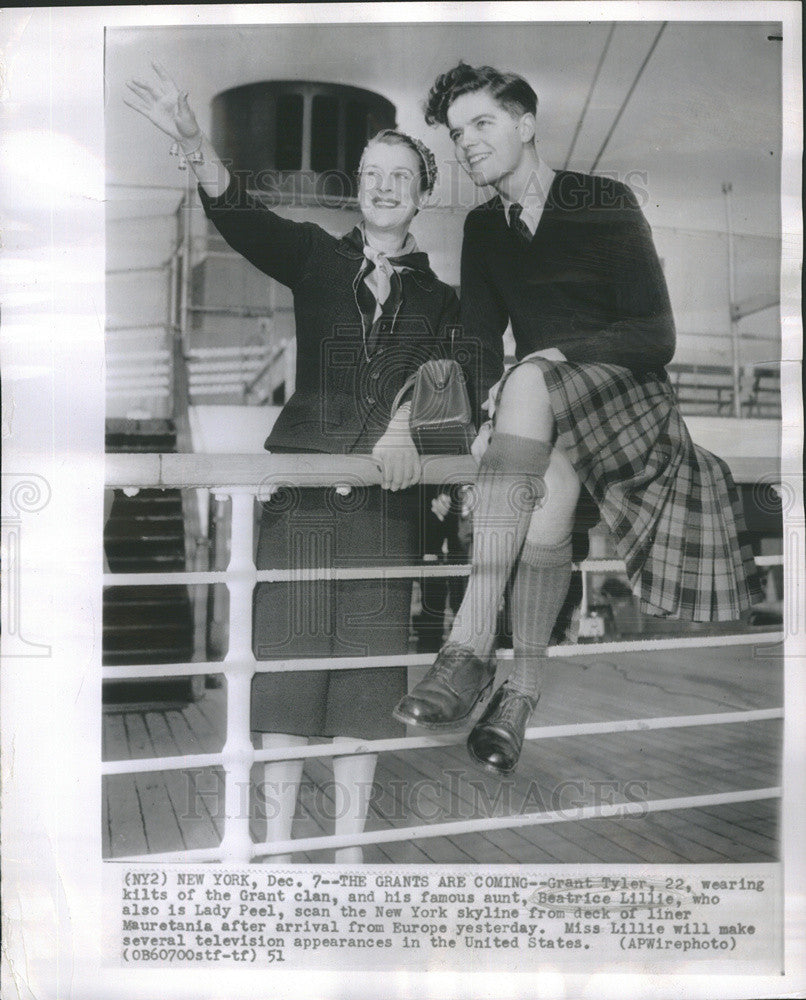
column 242, row 478
column 256, row 471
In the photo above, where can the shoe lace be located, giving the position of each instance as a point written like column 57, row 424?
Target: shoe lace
column 509, row 709
column 449, row 658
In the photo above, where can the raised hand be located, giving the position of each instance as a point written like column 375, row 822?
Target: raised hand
column 164, row 105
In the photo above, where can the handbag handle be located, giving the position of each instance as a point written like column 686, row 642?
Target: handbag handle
column 398, row 400
column 409, row 383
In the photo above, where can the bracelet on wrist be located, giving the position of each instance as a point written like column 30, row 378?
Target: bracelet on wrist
column 193, row 156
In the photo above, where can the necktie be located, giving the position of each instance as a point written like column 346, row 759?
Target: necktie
column 516, row 223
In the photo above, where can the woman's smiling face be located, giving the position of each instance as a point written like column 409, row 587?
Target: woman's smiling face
column 389, row 192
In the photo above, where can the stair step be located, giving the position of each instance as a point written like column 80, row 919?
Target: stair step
column 145, row 530
column 132, row 565
column 158, row 593
column 135, row 435
column 145, row 533
column 159, row 499
column 149, row 654
column 145, row 616
column 133, row 425
column 135, row 637
column 159, row 444
column 124, row 530
column 147, row 512
column 145, row 548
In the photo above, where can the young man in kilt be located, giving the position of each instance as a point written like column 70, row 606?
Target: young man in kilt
column 568, row 260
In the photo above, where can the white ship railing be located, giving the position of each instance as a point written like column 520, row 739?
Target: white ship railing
column 242, row 478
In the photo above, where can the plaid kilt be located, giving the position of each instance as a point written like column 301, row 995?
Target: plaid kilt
column 672, row 507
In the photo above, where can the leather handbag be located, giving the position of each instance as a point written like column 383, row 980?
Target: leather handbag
column 440, row 420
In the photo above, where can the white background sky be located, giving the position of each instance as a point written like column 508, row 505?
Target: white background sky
column 707, row 108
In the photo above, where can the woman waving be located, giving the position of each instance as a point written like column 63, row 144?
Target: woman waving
column 369, row 311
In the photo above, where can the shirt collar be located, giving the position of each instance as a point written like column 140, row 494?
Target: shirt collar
column 534, row 198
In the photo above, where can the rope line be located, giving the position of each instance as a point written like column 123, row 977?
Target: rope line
column 589, row 95
column 355, row 747
column 626, row 100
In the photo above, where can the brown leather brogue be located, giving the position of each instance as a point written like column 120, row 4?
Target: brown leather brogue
column 449, row 692
column 496, row 740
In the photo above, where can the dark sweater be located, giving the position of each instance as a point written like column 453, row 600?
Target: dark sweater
column 347, row 377
column 589, row 282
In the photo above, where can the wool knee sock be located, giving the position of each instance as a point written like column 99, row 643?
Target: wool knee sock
column 508, row 485
column 541, row 583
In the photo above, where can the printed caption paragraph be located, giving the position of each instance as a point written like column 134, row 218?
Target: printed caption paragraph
column 652, row 917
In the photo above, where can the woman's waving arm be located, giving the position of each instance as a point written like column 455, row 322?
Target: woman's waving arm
column 276, row 246
column 167, row 107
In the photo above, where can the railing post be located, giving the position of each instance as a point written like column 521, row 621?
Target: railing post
column 172, row 294
column 290, row 358
column 184, row 290
column 727, row 187
column 218, row 533
column 583, row 604
column 239, row 668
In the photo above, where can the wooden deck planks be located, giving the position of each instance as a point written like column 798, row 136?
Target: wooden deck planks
column 208, row 727
column 127, row 833
column 195, row 823
column 634, row 685
column 179, row 809
column 162, row 737
column 429, row 770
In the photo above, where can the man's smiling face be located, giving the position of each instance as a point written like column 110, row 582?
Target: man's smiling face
column 489, row 141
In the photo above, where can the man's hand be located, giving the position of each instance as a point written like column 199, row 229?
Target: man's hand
column 396, row 455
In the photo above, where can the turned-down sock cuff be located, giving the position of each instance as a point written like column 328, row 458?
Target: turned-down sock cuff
column 515, row 454
column 546, row 555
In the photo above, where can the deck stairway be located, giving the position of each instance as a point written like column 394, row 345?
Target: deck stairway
column 146, row 533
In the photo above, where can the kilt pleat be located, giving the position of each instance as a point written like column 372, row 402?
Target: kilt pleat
column 672, row 507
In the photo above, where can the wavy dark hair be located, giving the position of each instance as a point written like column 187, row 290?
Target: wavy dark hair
column 508, row 89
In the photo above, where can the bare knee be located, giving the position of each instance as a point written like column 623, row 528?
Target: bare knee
column 524, row 407
column 525, row 386
column 562, row 479
column 553, row 518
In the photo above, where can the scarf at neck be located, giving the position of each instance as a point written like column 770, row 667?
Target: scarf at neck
column 379, row 266
column 377, row 286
